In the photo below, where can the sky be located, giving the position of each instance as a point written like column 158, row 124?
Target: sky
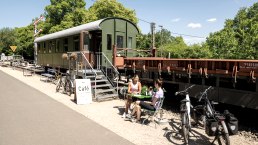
column 181, row 17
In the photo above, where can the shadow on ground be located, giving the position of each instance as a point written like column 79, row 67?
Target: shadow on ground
column 174, row 136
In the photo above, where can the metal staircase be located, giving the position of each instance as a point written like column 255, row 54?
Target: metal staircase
column 103, row 87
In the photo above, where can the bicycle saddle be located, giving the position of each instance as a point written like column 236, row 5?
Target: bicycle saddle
column 214, row 103
column 184, row 101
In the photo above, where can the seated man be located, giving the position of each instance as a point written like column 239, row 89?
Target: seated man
column 147, row 104
column 134, row 87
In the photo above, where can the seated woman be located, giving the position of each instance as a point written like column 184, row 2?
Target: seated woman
column 134, row 87
column 147, row 104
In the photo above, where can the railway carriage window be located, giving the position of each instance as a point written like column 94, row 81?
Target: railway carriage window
column 109, row 41
column 54, row 46
column 57, row 45
column 120, row 41
column 50, row 47
column 86, row 41
column 76, row 43
column 65, row 44
column 44, row 47
column 130, row 42
column 38, row 47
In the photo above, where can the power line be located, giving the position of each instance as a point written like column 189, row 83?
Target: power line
column 144, row 21
column 187, row 35
column 175, row 32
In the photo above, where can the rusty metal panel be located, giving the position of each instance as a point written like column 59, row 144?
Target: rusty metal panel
column 254, row 101
column 234, row 97
column 213, row 66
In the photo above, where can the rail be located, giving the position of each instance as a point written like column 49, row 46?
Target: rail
column 141, row 53
column 101, row 57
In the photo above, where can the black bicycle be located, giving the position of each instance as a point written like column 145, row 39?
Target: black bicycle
column 214, row 122
column 60, row 83
column 66, row 82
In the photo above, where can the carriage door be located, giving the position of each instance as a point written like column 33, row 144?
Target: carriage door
column 86, row 46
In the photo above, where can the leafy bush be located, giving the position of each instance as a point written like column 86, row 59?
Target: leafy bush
column 144, row 90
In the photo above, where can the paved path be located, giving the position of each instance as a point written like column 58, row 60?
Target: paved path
column 29, row 117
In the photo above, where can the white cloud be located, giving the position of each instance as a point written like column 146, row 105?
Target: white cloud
column 175, row 20
column 212, row 20
column 194, row 25
column 191, row 41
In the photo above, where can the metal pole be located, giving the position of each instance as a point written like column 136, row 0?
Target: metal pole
column 161, row 37
column 153, row 38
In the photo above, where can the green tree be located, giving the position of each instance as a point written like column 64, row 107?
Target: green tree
column 110, row 8
column 7, row 39
column 25, row 39
column 176, row 48
column 143, row 41
column 162, row 38
column 197, row 51
column 63, row 14
column 223, row 44
column 239, row 37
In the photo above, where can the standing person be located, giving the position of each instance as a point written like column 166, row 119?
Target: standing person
column 134, row 87
column 150, row 105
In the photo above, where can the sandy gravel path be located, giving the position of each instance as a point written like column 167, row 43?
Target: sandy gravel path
column 108, row 114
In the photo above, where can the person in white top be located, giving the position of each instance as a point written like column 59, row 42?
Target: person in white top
column 150, row 105
column 134, row 87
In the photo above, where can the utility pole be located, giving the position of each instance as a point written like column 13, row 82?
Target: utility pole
column 153, row 48
column 161, row 38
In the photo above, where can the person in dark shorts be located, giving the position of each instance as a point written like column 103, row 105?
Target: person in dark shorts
column 150, row 105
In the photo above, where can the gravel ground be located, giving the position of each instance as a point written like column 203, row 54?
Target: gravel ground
column 108, row 114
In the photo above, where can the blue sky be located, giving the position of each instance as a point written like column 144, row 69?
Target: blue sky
column 191, row 17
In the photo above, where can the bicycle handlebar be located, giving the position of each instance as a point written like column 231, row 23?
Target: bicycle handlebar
column 184, row 90
column 204, row 93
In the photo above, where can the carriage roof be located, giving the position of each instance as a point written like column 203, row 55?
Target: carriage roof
column 76, row 30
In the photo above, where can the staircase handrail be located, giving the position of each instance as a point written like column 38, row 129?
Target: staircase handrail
column 88, row 63
column 114, row 68
column 93, row 70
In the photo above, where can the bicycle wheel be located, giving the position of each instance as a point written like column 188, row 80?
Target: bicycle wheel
column 223, row 138
column 68, row 88
column 199, row 119
column 185, row 127
column 58, row 84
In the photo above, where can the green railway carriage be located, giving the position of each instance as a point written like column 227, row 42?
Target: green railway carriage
column 93, row 37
